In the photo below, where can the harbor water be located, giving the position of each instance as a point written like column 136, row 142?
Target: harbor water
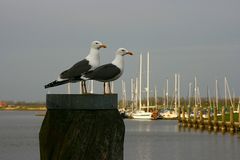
column 144, row 140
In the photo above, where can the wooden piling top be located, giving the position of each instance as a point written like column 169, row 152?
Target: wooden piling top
column 82, row 101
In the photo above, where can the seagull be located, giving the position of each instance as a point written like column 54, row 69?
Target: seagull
column 73, row 74
column 108, row 72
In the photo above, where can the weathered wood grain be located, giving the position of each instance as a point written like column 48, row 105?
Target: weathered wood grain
column 82, row 135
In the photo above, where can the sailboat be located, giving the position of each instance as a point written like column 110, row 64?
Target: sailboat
column 141, row 114
column 169, row 114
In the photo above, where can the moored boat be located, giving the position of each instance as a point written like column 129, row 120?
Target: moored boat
column 142, row 115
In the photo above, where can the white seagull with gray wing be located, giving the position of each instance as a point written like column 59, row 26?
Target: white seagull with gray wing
column 74, row 74
column 109, row 72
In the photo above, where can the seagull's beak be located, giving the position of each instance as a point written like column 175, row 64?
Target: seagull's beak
column 102, row 46
column 130, row 53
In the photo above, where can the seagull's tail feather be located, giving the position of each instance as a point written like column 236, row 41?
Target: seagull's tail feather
column 56, row 83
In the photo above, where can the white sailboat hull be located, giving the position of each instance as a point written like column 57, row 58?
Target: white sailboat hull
column 142, row 115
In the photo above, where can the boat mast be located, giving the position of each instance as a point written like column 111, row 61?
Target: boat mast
column 225, row 91
column 148, row 90
column 123, row 103
column 216, row 87
column 199, row 97
column 155, row 93
column 124, row 96
column 167, row 93
column 175, row 92
column 140, row 82
column 233, row 97
column 189, row 94
column 132, row 93
column 136, row 92
column 178, row 84
column 195, row 91
column 229, row 93
column 209, row 97
column 164, row 98
column 132, row 90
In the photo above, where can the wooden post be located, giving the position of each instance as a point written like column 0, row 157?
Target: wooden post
column 232, row 128
column 223, row 120
column 183, row 117
column 209, row 119
column 179, row 114
column 215, row 120
column 189, row 118
column 195, row 118
column 82, row 127
column 201, row 121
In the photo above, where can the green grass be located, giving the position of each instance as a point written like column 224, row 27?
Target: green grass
column 227, row 117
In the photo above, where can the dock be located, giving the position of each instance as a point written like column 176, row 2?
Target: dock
column 211, row 123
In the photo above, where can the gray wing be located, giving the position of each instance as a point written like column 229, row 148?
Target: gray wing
column 103, row 73
column 76, row 70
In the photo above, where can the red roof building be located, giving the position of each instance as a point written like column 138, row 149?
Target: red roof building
column 3, row 104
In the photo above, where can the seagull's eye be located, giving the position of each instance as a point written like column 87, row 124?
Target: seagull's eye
column 97, row 43
column 123, row 50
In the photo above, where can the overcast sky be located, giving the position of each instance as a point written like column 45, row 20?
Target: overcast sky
column 39, row 39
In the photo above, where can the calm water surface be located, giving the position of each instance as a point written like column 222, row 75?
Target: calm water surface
column 144, row 140
column 164, row 140
column 19, row 135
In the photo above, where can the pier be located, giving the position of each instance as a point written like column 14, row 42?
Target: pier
column 211, row 123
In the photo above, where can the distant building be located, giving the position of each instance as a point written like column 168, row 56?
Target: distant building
column 3, row 104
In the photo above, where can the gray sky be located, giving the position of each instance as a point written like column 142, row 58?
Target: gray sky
column 39, row 39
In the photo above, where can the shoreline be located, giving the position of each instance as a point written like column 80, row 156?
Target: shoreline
column 24, row 108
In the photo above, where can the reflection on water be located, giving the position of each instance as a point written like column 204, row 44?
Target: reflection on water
column 144, row 140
